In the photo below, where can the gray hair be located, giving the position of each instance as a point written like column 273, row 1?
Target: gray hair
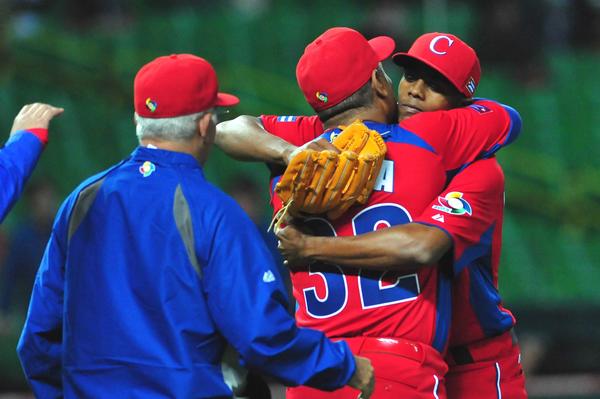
column 179, row 128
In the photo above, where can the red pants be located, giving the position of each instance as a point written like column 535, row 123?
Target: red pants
column 489, row 369
column 403, row 369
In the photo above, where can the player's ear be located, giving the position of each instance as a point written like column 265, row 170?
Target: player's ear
column 380, row 84
column 203, row 124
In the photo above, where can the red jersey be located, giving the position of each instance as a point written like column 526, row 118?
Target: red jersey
column 422, row 151
column 471, row 211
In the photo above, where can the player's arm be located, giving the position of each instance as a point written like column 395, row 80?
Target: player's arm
column 462, row 135
column 269, row 138
column 244, row 138
column 19, row 156
column 40, row 348
column 470, row 211
column 403, row 248
column 241, row 279
column 463, row 216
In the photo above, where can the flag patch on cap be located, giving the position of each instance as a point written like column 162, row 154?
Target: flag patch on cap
column 151, row 105
column 322, row 96
column 471, row 85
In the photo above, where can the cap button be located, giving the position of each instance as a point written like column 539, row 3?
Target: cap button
column 173, row 56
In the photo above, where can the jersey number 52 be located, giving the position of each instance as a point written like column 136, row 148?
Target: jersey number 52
column 376, row 288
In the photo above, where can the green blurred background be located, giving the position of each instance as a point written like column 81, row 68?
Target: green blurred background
column 540, row 56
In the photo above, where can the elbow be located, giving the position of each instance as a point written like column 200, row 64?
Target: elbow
column 426, row 253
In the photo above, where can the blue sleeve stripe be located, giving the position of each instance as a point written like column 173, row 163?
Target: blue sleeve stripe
column 482, row 248
column 443, row 311
column 514, row 130
column 485, row 299
column 516, row 124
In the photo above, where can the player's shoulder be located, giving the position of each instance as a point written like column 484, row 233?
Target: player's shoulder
column 296, row 130
column 487, row 174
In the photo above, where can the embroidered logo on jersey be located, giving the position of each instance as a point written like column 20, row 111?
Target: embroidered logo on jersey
column 482, row 109
column 147, row 168
column 454, row 204
column 471, row 86
column 268, row 277
column 322, row 96
column 439, row 217
column 151, row 105
column 286, row 118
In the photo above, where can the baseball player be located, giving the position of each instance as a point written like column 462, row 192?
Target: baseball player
column 150, row 270
column 28, row 138
column 393, row 319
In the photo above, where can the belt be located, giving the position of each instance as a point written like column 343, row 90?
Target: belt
column 483, row 350
column 395, row 346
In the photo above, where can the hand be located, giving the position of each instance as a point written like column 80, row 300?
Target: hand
column 319, row 144
column 363, row 378
column 34, row 116
column 292, row 244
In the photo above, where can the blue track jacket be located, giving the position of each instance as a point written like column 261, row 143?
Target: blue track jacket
column 148, row 272
column 17, row 161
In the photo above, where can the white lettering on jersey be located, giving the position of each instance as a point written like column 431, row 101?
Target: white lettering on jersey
column 385, row 180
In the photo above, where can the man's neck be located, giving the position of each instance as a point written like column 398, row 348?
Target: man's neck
column 346, row 118
column 177, row 146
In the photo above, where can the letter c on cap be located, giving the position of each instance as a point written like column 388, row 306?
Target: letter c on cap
column 434, row 42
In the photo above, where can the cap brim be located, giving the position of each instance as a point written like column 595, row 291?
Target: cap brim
column 226, row 100
column 383, row 46
column 400, row 59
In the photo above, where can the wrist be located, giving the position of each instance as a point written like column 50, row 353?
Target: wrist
column 286, row 155
column 40, row 133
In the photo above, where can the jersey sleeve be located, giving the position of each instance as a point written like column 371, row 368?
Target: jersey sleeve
column 17, row 161
column 248, row 302
column 296, row 130
column 469, row 210
column 462, row 135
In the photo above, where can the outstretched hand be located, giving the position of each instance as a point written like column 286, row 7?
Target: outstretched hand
column 35, row 116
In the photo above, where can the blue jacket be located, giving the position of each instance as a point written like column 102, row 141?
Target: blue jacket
column 148, row 272
column 17, row 160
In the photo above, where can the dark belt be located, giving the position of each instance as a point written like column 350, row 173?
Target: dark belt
column 462, row 355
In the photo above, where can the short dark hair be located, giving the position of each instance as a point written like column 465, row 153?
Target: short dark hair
column 362, row 97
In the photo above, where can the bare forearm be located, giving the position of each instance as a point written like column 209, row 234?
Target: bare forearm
column 402, row 248
column 244, row 138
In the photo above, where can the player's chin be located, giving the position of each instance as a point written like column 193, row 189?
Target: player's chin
column 405, row 111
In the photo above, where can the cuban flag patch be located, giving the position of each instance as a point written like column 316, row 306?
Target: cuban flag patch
column 482, row 109
column 471, row 86
column 287, row 118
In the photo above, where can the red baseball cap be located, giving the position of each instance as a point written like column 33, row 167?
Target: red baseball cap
column 338, row 63
column 177, row 85
column 448, row 55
